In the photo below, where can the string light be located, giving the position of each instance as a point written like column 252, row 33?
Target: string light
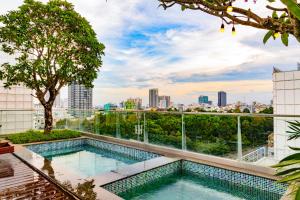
column 233, row 32
column 222, row 29
column 229, row 7
column 276, row 34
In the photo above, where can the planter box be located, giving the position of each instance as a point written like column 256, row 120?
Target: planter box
column 6, row 148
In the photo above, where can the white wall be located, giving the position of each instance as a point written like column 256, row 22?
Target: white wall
column 286, row 100
column 15, row 106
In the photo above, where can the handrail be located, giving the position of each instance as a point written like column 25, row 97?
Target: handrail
column 166, row 112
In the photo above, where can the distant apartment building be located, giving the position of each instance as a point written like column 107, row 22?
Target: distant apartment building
column 16, row 106
column 164, row 102
column 286, row 101
column 153, row 98
column 110, row 106
column 80, row 98
column 203, row 99
column 222, row 99
column 134, row 103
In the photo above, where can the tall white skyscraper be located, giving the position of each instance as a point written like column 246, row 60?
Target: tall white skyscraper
column 153, row 98
column 16, row 106
column 80, row 97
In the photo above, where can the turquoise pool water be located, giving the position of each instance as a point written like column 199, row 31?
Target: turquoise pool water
column 86, row 160
column 191, row 187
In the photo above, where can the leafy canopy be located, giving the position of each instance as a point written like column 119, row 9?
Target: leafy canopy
column 52, row 45
column 282, row 20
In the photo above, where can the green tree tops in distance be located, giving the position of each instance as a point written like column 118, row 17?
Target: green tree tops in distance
column 53, row 46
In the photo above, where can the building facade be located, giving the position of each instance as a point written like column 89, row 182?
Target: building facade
column 80, row 98
column 16, row 109
column 222, row 99
column 153, row 98
column 203, row 99
column 164, row 102
column 286, row 101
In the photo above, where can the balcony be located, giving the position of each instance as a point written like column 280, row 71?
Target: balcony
column 231, row 144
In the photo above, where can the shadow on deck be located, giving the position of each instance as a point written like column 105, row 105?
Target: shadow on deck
column 18, row 181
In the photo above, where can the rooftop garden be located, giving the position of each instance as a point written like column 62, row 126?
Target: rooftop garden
column 39, row 136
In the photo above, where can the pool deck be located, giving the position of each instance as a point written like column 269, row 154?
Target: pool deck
column 19, row 181
column 25, row 158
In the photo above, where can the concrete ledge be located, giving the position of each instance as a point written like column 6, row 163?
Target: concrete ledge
column 215, row 161
column 132, row 170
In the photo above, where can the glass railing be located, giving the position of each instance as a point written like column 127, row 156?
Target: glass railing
column 256, row 138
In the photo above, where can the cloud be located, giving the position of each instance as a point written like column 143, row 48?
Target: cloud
column 181, row 53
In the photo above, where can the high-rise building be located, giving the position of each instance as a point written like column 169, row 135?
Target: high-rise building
column 203, row 99
column 164, row 102
column 153, row 98
column 133, row 103
column 16, row 104
column 286, row 101
column 80, row 98
column 222, row 99
column 57, row 102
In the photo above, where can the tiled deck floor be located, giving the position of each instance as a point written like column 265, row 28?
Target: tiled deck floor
column 18, row 181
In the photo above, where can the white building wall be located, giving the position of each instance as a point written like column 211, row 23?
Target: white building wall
column 15, row 106
column 286, row 101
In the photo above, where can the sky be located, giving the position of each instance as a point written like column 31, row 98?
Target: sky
column 183, row 54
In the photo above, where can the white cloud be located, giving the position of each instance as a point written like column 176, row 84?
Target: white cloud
column 188, row 43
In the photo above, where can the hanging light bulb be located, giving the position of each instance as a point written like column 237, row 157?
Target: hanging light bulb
column 233, row 32
column 222, row 29
column 229, row 7
column 276, row 34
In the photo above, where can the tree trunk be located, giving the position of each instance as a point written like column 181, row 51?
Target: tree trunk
column 48, row 119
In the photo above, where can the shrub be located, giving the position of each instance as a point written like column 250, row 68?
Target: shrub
column 39, row 136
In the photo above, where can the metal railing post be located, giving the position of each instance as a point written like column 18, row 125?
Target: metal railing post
column 145, row 131
column 239, row 139
column 183, row 139
column 118, row 135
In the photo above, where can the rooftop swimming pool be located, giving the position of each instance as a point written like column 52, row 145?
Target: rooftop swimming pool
column 86, row 157
column 185, row 180
column 136, row 174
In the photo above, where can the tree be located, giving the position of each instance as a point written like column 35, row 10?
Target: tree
column 246, row 110
column 283, row 21
column 53, row 46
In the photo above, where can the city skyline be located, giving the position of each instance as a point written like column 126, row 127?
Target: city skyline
column 147, row 47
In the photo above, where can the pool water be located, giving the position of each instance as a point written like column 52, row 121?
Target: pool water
column 191, row 187
column 86, row 160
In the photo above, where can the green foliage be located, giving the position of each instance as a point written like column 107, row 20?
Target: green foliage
column 38, row 136
column 268, row 110
column 53, row 46
column 285, row 39
column 289, row 166
column 215, row 148
column 267, row 36
column 293, row 7
column 214, row 135
column 295, row 127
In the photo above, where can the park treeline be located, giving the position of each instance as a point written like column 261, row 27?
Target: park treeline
column 210, row 134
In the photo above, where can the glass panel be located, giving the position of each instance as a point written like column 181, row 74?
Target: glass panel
column 164, row 129
column 105, row 123
column 257, row 137
column 131, row 125
column 213, row 135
